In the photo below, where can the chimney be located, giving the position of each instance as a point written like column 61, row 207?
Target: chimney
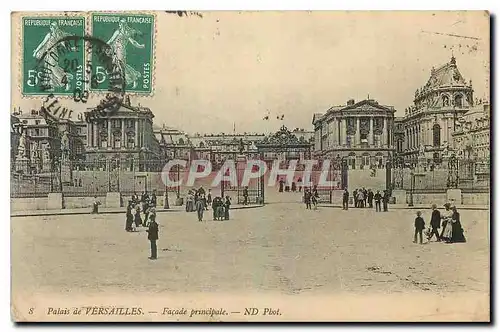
column 350, row 102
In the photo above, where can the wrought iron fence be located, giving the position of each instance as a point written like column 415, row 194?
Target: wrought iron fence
column 96, row 178
column 452, row 173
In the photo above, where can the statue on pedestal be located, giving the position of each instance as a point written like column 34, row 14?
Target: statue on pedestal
column 65, row 144
column 446, row 151
column 21, row 148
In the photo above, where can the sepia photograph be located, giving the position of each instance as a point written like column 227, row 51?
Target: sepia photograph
column 250, row 166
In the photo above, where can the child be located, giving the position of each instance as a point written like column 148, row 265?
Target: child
column 419, row 227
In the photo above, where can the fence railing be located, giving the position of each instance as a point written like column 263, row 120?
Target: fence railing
column 468, row 175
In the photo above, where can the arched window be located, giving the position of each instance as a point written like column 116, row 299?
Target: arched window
column 458, row 100
column 181, row 141
column 202, row 145
column 446, row 100
column 436, row 135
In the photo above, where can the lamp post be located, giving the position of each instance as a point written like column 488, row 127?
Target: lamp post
column 412, row 184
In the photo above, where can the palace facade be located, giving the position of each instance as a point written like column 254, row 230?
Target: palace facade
column 432, row 119
column 472, row 135
column 125, row 135
column 360, row 131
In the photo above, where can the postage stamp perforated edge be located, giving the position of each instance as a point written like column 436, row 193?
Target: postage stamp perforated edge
column 153, row 48
column 17, row 19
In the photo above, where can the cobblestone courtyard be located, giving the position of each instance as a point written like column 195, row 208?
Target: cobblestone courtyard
column 280, row 247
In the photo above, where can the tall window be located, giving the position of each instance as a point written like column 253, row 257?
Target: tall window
column 436, row 135
column 458, row 100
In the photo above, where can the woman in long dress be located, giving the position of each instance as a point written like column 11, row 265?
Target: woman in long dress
column 53, row 74
column 447, row 223
column 118, row 43
column 457, row 230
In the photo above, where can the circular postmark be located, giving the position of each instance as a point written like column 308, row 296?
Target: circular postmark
column 58, row 66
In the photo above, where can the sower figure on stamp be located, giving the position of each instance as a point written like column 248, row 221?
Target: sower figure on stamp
column 118, row 43
column 435, row 223
column 153, row 236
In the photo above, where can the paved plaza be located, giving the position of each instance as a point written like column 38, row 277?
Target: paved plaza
column 279, row 247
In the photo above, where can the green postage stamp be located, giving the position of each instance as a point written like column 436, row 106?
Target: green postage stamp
column 130, row 37
column 44, row 69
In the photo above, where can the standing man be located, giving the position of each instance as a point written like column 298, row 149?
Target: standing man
column 378, row 198
column 95, row 205
column 153, row 199
column 307, row 198
column 365, row 197
column 370, row 198
column 361, row 199
column 345, row 199
column 245, row 195
column 209, row 198
column 200, row 207
column 435, row 223
column 153, row 236
column 385, row 200
column 355, row 197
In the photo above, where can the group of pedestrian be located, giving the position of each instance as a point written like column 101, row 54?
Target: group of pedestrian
column 197, row 200
column 295, row 186
column 220, row 208
column 311, row 196
column 364, row 198
column 141, row 211
column 139, row 208
column 449, row 220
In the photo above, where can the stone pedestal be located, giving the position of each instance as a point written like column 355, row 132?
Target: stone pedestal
column 113, row 200
column 241, row 165
column 66, row 172
column 337, row 196
column 454, row 196
column 55, row 201
column 399, row 196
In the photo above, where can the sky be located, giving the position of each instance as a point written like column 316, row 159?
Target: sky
column 228, row 70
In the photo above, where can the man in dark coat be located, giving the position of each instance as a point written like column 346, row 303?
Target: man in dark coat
column 370, row 198
column 153, row 237
column 307, row 198
column 385, row 200
column 355, row 197
column 419, row 227
column 245, row 196
column 435, row 223
column 365, row 197
column 345, row 200
column 378, row 198
column 200, row 207
column 152, row 201
column 227, row 205
column 215, row 206
column 95, row 205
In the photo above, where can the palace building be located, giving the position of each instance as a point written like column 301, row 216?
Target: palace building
column 472, row 135
column 432, row 119
column 360, row 131
column 125, row 135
